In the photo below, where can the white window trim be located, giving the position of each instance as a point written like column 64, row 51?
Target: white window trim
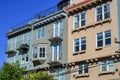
column 37, row 33
column 38, row 51
column 24, row 62
column 58, row 22
column 79, row 44
column 103, row 16
column 79, row 19
column 83, row 69
column 58, row 51
column 106, row 65
column 103, row 39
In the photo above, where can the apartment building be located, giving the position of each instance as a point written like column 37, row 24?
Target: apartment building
column 50, row 42
column 19, row 46
column 93, row 39
column 41, row 43
column 77, row 42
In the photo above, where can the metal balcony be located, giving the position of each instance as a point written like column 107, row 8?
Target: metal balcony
column 10, row 49
column 55, row 61
column 23, row 47
column 38, row 60
column 56, row 38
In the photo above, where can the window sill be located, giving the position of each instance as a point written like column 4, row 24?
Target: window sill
column 106, row 72
column 80, row 52
column 81, row 75
column 99, row 48
column 91, row 25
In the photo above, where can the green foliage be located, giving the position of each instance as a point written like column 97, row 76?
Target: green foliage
column 39, row 76
column 14, row 72
column 11, row 71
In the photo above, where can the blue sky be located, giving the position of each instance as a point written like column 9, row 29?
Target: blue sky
column 13, row 12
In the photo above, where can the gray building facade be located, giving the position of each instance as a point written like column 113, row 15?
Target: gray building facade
column 41, row 44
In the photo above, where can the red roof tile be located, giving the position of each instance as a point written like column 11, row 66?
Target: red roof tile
column 76, row 5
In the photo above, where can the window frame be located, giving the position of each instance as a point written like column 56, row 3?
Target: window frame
column 103, row 12
column 40, row 32
column 59, row 31
column 38, row 50
column 107, row 65
column 80, row 44
column 58, row 52
column 104, row 38
column 83, row 68
column 80, row 20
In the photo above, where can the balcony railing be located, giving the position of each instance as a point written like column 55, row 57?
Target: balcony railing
column 55, row 60
column 22, row 45
column 38, row 60
column 56, row 36
column 42, row 14
column 10, row 49
column 46, row 12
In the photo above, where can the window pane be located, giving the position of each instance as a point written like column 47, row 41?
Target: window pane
column 76, row 21
column 106, row 7
column 99, row 36
column 83, row 16
column 83, row 47
column 80, row 71
column 39, row 33
column 111, row 64
column 83, row 23
column 103, row 66
column 83, row 40
column 43, row 52
column 85, row 68
column 108, row 41
column 76, row 45
column 42, row 32
column 99, row 13
column 83, row 19
column 107, row 34
column 26, row 58
column 107, row 15
column 76, row 25
column 99, row 39
column 99, row 10
column 107, row 37
column 100, row 43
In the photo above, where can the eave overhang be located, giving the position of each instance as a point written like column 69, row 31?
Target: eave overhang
column 50, row 19
column 71, row 9
column 19, row 31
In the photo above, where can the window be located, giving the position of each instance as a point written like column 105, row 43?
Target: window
column 80, row 44
column 107, row 65
column 83, row 68
column 59, row 74
column 42, row 52
column 79, row 20
column 11, row 58
column 35, row 52
column 76, row 21
column 104, row 38
column 76, row 45
column 41, row 32
column 24, row 57
column 103, row 12
column 57, row 52
column 58, row 29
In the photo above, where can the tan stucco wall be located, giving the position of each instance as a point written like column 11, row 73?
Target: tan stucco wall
column 90, row 34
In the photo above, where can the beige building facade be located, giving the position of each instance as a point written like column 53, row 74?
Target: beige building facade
column 93, row 44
